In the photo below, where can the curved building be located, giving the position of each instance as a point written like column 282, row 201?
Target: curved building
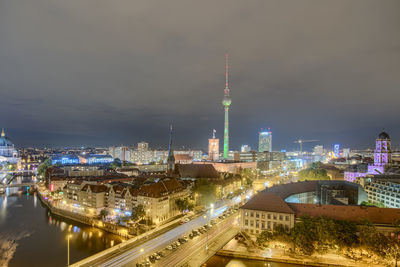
column 8, row 153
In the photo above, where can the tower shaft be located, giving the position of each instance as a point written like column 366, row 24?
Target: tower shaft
column 226, row 133
column 226, row 102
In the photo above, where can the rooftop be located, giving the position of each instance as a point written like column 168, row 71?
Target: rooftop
column 266, row 201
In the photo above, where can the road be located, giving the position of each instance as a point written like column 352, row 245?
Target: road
column 195, row 249
column 141, row 251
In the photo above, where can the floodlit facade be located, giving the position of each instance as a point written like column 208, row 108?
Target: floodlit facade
column 265, row 141
column 213, row 149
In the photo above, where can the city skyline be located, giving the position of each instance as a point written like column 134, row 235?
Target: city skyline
column 105, row 91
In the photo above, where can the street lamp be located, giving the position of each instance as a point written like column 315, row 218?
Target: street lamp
column 68, row 237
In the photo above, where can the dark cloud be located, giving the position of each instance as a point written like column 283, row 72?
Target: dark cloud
column 110, row 72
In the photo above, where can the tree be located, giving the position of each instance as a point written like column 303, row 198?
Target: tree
column 303, row 236
column 280, row 233
column 314, row 172
column 104, row 213
column 43, row 167
column 207, row 191
column 184, row 204
column 138, row 213
column 116, row 163
column 248, row 176
column 263, row 238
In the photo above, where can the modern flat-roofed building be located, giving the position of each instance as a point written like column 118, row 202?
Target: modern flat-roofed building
column 382, row 189
column 268, row 209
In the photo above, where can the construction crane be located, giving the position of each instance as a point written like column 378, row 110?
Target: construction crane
column 300, row 142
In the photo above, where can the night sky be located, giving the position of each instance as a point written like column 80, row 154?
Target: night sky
column 102, row 72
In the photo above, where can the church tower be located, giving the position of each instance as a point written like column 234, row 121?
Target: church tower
column 171, row 157
column 382, row 154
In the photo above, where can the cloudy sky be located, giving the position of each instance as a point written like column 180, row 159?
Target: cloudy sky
column 101, row 72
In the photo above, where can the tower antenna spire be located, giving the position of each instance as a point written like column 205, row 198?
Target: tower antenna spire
column 226, row 73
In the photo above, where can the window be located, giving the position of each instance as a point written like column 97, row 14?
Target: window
column 287, row 218
column 252, row 223
column 246, row 222
column 280, row 217
column 257, row 215
column 274, row 216
column 251, row 214
column 269, row 216
column 257, row 224
column 269, row 225
column 262, row 225
column 263, row 216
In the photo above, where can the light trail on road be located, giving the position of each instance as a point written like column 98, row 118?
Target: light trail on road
column 163, row 240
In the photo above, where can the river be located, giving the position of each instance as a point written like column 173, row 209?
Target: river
column 218, row 261
column 31, row 236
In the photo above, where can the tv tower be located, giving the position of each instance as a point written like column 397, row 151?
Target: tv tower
column 226, row 102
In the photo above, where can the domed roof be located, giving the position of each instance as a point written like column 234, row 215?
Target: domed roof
column 4, row 141
column 383, row 135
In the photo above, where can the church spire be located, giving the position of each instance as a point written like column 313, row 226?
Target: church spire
column 3, row 134
column 171, row 157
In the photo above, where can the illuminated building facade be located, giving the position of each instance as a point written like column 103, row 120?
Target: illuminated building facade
column 8, row 153
column 143, row 146
column 382, row 159
column 336, row 150
column 93, row 159
column 64, row 160
column 245, row 148
column 226, row 102
column 213, row 148
column 265, row 141
column 382, row 154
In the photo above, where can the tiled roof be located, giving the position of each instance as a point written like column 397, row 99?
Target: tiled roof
column 179, row 157
column 196, row 170
column 161, row 188
column 265, row 201
column 362, row 167
column 350, row 213
column 95, row 188
column 286, row 190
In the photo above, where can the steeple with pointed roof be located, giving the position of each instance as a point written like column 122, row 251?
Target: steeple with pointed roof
column 171, row 157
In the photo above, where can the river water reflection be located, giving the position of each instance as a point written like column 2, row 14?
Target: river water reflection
column 31, row 236
column 218, row 261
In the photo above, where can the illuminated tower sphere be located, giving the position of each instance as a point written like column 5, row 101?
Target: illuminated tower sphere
column 226, row 102
column 171, row 157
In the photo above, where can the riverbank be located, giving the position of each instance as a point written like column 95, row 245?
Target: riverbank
column 108, row 227
column 234, row 249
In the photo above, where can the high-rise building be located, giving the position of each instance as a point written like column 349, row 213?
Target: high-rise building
column 319, row 150
column 213, row 148
column 346, row 153
column 143, row 146
column 245, row 148
column 336, row 150
column 226, row 102
column 265, row 141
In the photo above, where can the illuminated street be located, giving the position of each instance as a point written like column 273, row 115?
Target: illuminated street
column 140, row 252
